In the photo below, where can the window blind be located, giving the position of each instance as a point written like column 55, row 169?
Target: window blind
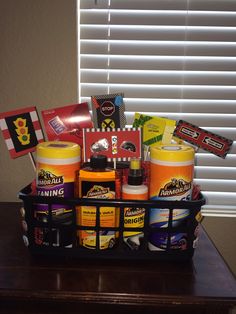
column 173, row 59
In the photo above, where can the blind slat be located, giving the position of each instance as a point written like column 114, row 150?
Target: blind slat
column 165, row 91
column 159, row 77
column 220, row 198
column 126, row 47
column 134, row 62
column 174, row 105
column 221, row 173
column 216, row 185
column 209, row 160
column 166, row 33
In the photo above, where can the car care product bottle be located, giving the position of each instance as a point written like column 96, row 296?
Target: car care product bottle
column 96, row 181
column 171, row 179
column 134, row 217
column 56, row 166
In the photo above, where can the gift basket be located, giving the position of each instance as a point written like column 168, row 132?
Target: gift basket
column 107, row 191
column 59, row 237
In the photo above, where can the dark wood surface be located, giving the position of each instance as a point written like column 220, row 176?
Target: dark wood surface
column 61, row 285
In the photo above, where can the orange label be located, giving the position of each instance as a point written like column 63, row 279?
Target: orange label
column 172, row 182
column 67, row 171
column 127, row 196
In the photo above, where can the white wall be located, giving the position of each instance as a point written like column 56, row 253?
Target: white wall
column 38, row 68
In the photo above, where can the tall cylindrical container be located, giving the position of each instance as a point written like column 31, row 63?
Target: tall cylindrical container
column 56, row 165
column 171, row 178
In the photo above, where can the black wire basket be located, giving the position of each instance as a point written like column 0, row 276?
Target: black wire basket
column 58, row 235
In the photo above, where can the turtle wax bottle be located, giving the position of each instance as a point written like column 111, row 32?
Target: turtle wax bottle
column 56, row 165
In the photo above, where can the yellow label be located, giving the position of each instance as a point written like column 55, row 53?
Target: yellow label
column 90, row 187
column 133, row 218
column 199, row 217
column 154, row 129
column 87, row 217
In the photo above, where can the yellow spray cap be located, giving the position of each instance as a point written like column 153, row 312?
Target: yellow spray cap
column 135, row 176
column 135, row 163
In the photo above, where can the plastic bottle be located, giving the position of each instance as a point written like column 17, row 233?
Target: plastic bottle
column 96, row 181
column 134, row 217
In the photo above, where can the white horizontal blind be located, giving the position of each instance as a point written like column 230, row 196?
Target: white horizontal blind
column 171, row 58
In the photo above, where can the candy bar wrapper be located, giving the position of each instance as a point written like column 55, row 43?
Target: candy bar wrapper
column 155, row 130
column 66, row 123
column 108, row 111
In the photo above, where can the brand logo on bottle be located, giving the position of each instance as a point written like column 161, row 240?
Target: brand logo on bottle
column 175, row 188
column 107, row 108
column 98, row 191
column 134, row 212
column 46, row 178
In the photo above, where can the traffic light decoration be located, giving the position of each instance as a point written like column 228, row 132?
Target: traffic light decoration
column 21, row 130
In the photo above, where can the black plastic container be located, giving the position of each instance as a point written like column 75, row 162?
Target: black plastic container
column 65, row 230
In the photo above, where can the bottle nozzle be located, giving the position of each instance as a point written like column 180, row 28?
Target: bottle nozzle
column 135, row 164
column 135, row 176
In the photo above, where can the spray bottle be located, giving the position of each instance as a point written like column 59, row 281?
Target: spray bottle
column 134, row 217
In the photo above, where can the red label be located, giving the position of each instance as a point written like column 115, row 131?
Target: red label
column 206, row 140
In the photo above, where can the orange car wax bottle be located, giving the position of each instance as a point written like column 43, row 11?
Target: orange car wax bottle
column 134, row 217
column 171, row 178
column 97, row 181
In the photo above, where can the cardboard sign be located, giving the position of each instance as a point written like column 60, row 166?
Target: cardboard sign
column 108, row 111
column 21, row 130
column 154, row 129
column 119, row 144
column 206, row 140
column 66, row 123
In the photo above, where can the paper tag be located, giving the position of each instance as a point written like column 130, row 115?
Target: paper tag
column 121, row 144
column 154, row 129
column 206, row 140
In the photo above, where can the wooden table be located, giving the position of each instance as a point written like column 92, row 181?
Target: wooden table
column 50, row 285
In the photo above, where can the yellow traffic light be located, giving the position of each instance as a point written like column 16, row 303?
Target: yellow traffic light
column 22, row 131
